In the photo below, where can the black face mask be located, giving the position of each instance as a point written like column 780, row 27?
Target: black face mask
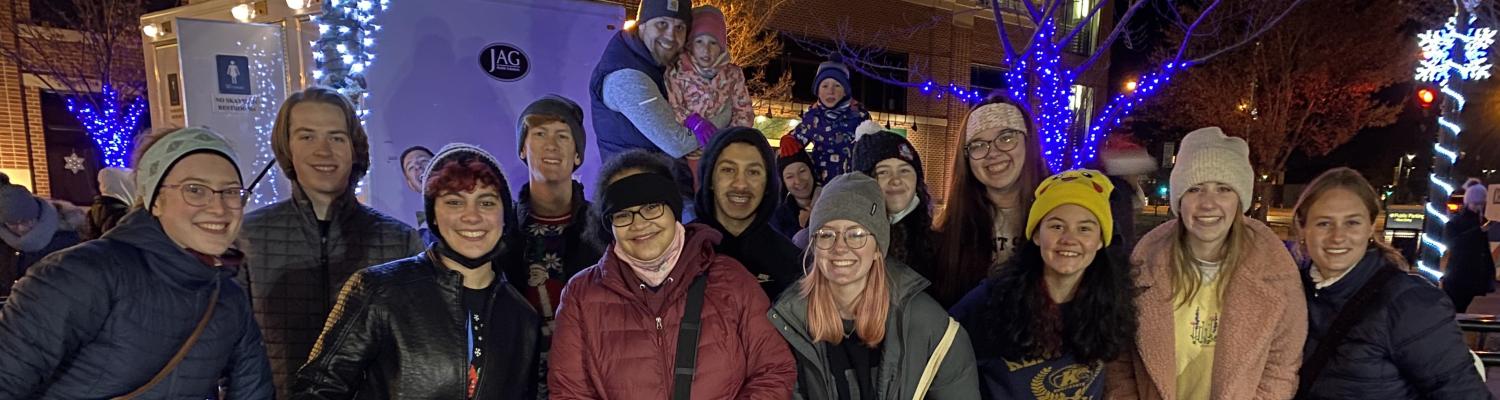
column 470, row 263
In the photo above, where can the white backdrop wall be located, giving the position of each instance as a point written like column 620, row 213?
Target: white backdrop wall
column 428, row 87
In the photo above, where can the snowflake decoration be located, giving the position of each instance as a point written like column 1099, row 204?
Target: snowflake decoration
column 1437, row 64
column 73, row 163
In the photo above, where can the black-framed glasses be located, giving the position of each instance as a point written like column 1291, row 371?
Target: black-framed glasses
column 624, row 218
column 854, row 238
column 1007, row 141
column 197, row 195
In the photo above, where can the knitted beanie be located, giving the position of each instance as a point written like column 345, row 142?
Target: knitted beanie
column 458, row 151
column 1207, row 155
column 709, row 20
column 167, row 150
column 792, row 152
column 876, row 147
column 560, row 107
column 1083, row 187
column 855, row 197
column 680, row 9
column 17, row 204
column 835, row 71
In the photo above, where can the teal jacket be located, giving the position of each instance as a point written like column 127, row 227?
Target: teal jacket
column 913, row 330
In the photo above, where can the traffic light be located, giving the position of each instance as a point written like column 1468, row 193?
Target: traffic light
column 1425, row 97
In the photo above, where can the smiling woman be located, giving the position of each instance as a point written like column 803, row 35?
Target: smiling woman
column 479, row 336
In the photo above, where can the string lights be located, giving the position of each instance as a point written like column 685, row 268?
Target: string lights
column 111, row 128
column 1447, row 53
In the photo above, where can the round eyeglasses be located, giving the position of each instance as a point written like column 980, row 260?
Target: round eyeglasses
column 1007, row 141
column 197, row 195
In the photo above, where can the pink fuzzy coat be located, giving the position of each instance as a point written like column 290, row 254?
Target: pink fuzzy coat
column 1263, row 324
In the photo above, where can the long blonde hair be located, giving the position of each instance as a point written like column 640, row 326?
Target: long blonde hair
column 871, row 309
column 1186, row 278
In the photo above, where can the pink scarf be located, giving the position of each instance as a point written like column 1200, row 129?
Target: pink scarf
column 654, row 272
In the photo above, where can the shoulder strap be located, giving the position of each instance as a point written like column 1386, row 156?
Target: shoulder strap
column 1355, row 310
column 208, row 313
column 930, row 373
column 687, row 340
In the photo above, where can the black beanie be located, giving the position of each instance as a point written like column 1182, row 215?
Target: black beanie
column 873, row 148
column 680, row 9
column 560, row 107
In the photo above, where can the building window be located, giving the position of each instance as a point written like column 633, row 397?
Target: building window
column 873, row 93
column 1081, row 101
column 988, row 80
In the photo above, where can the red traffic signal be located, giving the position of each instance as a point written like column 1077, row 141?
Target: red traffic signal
column 1425, row 97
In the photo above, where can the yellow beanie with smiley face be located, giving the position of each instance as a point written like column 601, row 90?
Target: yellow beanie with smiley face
column 1085, row 187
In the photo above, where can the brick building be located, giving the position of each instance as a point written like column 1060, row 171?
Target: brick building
column 38, row 135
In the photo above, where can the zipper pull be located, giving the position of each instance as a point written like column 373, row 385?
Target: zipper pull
column 658, row 323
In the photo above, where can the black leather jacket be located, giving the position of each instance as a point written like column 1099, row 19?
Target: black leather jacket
column 398, row 332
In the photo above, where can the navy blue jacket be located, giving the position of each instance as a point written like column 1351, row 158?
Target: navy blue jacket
column 98, row 320
column 612, row 130
column 1471, row 271
column 1407, row 347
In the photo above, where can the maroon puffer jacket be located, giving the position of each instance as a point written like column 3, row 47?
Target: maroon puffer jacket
column 616, row 340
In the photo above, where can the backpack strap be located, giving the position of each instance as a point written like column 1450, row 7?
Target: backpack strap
column 687, row 340
column 1363, row 301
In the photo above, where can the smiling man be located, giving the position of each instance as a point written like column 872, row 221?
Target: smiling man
column 628, row 91
column 738, row 196
column 300, row 250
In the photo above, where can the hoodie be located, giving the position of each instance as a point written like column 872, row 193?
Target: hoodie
column 771, row 257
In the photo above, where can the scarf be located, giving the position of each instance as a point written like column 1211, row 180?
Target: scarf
column 40, row 234
column 654, row 272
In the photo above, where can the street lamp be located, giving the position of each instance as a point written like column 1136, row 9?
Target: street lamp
column 1130, row 85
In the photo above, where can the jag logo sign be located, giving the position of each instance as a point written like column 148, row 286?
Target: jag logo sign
column 504, row 62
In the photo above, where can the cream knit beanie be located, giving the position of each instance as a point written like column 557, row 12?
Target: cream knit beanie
column 1207, row 155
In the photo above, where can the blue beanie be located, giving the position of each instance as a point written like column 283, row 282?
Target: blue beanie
column 835, row 71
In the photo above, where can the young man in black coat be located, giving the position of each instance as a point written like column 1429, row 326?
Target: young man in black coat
column 737, row 196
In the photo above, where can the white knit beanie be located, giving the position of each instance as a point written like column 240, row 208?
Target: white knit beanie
column 1207, row 155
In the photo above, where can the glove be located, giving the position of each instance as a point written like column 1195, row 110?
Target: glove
column 701, row 128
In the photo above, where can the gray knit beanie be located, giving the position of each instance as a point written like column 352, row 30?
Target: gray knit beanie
column 1207, row 155
column 560, row 107
column 856, row 197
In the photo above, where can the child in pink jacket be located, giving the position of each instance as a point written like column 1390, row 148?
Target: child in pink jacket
column 707, row 91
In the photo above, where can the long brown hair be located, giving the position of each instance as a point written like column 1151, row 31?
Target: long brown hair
column 967, row 226
column 871, row 309
column 1347, row 179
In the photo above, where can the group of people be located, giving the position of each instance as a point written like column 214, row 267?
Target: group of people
column 714, row 282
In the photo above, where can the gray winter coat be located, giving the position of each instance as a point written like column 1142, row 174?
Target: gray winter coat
column 915, row 326
column 294, row 273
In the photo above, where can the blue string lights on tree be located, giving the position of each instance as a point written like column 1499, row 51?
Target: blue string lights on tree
column 1457, row 50
column 111, row 127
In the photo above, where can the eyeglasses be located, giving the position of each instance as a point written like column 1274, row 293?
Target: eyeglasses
column 1007, row 141
column 854, row 238
column 647, row 212
column 197, row 195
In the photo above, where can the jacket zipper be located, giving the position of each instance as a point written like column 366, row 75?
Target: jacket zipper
column 323, row 265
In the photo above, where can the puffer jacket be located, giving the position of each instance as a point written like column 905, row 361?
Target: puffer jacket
column 100, row 319
column 774, row 261
column 1471, row 271
column 294, row 273
column 913, row 329
column 1406, row 347
column 610, row 344
column 398, row 332
column 831, row 132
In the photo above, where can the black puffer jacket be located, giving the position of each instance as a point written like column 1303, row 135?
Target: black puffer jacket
column 398, row 332
column 771, row 257
column 294, row 273
column 100, row 319
column 1407, row 347
column 1471, row 271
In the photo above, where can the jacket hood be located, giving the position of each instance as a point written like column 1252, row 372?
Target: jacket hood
column 704, row 201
